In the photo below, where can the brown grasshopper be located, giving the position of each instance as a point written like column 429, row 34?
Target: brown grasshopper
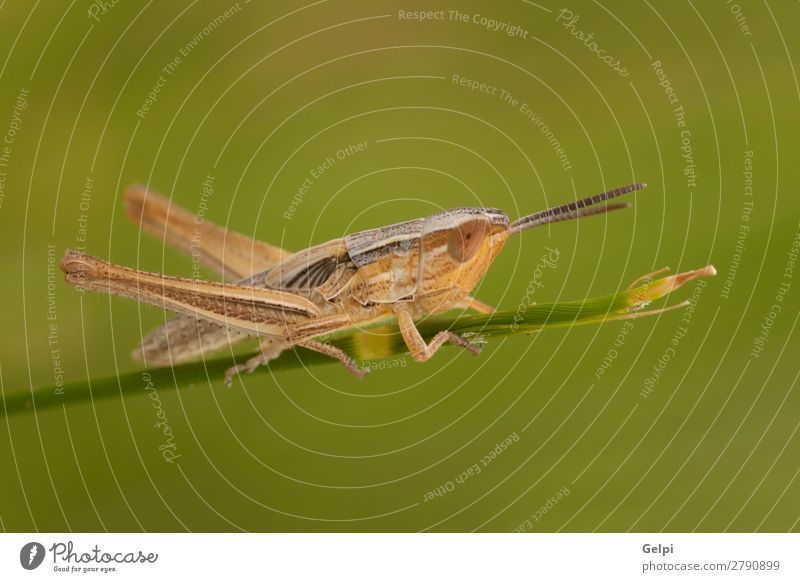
column 406, row 270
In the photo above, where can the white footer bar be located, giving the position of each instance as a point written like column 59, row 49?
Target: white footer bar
column 354, row 557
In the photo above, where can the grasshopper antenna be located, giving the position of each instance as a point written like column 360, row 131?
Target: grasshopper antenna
column 573, row 210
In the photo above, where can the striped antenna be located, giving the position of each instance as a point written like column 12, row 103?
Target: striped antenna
column 572, row 210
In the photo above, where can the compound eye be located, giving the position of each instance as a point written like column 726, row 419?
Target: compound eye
column 464, row 240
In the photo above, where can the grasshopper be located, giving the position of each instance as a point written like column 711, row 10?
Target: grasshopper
column 406, row 270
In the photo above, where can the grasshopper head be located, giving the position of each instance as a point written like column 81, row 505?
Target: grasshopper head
column 456, row 248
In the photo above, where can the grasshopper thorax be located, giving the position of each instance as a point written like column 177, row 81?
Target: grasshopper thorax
column 432, row 262
column 456, row 248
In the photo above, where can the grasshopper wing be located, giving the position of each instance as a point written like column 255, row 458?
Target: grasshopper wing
column 227, row 253
column 320, row 273
column 325, row 269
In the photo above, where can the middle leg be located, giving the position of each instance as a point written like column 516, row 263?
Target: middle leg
column 271, row 349
column 422, row 351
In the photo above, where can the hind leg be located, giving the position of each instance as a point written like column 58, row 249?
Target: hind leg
column 271, row 349
column 338, row 354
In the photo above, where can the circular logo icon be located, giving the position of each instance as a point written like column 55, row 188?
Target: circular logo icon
column 31, row 555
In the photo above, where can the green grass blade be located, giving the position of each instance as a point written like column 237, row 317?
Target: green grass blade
column 383, row 341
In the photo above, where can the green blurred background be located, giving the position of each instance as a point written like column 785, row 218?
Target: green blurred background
column 263, row 95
